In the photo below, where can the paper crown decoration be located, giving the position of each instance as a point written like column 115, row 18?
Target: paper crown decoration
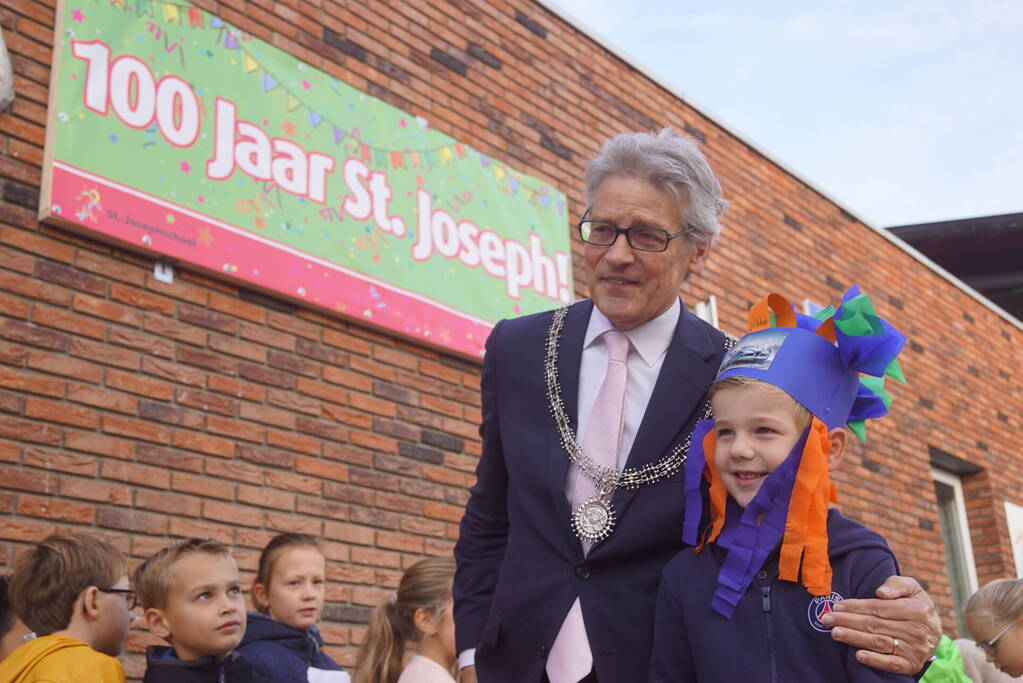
column 817, row 361
column 821, row 361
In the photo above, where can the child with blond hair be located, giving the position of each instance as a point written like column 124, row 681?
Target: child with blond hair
column 191, row 596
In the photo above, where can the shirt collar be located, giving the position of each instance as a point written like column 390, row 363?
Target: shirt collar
column 651, row 339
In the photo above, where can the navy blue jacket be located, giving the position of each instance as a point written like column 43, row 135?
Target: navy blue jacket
column 163, row 666
column 775, row 634
column 285, row 654
column 520, row 567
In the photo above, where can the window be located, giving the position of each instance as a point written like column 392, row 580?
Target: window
column 955, row 536
column 707, row 311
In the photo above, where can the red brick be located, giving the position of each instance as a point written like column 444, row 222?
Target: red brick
column 293, row 523
column 136, row 429
column 293, row 442
column 12, row 354
column 266, row 415
column 106, row 354
column 202, row 486
column 56, row 509
column 102, row 398
column 140, row 298
column 61, row 412
column 372, row 441
column 376, row 558
column 449, row 513
column 165, row 327
column 103, row 308
column 98, row 491
column 60, row 461
column 206, row 402
column 65, row 365
column 238, row 388
column 19, row 380
column 101, row 444
column 130, row 473
column 292, row 482
column 188, row 528
column 261, row 334
column 9, row 452
column 402, row 542
column 140, row 341
column 14, row 307
column 322, row 390
column 136, row 384
column 321, row 468
column 24, row 430
column 28, row 480
column 234, row 306
column 268, row 498
column 34, row 243
column 204, row 443
column 114, row 268
column 127, row 519
column 230, row 513
column 347, row 378
column 291, row 400
column 347, row 342
column 237, row 347
column 173, row 372
column 168, row 502
column 24, row 530
column 233, row 469
column 240, row 430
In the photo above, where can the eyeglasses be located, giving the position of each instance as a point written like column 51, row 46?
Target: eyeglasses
column 990, row 646
column 129, row 595
column 604, row 234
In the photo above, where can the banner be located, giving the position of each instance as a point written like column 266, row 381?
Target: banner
column 176, row 133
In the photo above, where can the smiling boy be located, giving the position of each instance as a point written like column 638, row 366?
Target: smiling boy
column 192, row 597
column 774, row 557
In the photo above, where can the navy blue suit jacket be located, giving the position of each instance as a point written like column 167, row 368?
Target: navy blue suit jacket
column 520, row 567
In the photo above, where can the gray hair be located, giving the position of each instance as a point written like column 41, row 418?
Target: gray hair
column 671, row 162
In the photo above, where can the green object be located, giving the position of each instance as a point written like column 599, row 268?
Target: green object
column 947, row 666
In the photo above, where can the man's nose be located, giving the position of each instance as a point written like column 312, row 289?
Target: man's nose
column 619, row 251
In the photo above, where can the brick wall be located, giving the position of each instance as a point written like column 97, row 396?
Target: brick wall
column 144, row 411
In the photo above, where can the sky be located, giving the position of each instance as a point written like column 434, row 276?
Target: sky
column 902, row 111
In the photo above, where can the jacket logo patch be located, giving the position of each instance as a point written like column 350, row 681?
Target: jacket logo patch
column 819, row 606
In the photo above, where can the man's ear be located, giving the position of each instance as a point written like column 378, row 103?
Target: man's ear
column 156, row 622
column 839, row 440
column 425, row 621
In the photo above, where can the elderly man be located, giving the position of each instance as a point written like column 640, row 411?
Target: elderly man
column 586, row 417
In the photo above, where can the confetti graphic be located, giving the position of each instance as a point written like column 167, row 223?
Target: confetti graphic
column 182, row 135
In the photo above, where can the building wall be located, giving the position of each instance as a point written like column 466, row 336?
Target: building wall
column 144, row 411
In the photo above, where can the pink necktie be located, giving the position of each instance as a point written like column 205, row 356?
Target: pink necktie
column 570, row 658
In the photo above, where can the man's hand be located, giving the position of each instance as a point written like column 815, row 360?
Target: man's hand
column 897, row 633
column 467, row 675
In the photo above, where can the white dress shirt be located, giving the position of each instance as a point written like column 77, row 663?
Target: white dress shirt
column 649, row 344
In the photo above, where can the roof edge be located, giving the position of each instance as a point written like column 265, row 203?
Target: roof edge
column 734, row 132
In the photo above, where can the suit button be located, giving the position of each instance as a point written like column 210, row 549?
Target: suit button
column 761, row 575
column 543, row 651
column 582, row 571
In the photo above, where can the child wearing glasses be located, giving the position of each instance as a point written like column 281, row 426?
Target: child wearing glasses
column 993, row 615
column 192, row 597
column 72, row 591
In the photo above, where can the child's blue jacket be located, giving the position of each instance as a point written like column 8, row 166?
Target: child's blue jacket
column 775, row 635
column 286, row 654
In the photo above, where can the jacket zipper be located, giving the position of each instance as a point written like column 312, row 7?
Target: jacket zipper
column 765, row 601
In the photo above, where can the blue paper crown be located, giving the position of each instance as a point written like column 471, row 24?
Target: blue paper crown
column 818, row 361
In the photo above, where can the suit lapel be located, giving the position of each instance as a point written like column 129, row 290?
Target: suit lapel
column 570, row 353
column 687, row 371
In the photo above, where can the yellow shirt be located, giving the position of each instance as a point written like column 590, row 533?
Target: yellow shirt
column 59, row 659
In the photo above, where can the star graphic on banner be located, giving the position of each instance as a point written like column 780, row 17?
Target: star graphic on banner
column 205, row 236
column 289, row 128
column 76, row 15
column 185, row 166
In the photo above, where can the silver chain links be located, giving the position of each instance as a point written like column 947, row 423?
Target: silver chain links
column 606, row 480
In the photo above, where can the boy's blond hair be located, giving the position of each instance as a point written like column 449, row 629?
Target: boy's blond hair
column 151, row 579
column 49, row 578
column 802, row 415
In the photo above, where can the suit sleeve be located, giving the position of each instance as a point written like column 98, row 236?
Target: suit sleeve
column 483, row 533
column 671, row 659
column 877, row 565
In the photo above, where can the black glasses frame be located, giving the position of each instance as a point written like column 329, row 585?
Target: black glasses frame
column 130, row 596
column 668, row 237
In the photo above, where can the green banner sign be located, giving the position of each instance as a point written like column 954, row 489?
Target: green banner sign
column 179, row 134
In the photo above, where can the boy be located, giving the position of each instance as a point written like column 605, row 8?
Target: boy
column 12, row 629
column 192, row 597
column 781, row 398
column 73, row 591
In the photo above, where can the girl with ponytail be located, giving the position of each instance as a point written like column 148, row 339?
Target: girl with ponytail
column 411, row 636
